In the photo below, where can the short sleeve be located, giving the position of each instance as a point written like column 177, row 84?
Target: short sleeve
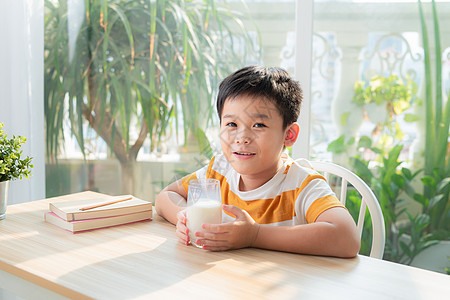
column 185, row 180
column 314, row 198
column 320, row 205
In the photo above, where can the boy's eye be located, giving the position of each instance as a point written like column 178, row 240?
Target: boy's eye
column 231, row 124
column 259, row 125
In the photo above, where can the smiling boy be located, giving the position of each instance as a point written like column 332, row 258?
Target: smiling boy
column 269, row 201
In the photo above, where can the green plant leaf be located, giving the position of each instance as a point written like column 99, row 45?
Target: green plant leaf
column 364, row 142
column 351, row 141
column 429, row 181
column 344, row 118
column 411, row 118
column 429, row 105
column 398, row 180
column 443, row 185
column 421, row 199
column 377, row 150
column 433, row 201
column 338, row 145
column 405, row 248
column 407, row 173
column 361, row 168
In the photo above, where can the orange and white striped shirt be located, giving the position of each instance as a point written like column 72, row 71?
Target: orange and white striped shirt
column 295, row 195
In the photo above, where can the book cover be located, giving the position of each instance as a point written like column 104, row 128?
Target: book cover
column 91, row 224
column 71, row 210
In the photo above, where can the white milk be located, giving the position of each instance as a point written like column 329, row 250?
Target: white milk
column 202, row 212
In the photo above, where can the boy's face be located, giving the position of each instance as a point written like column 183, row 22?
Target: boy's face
column 252, row 136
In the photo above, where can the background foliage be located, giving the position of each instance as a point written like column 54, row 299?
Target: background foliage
column 136, row 70
column 395, row 181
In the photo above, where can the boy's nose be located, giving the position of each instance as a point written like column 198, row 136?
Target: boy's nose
column 242, row 139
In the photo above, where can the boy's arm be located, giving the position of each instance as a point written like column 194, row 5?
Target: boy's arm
column 170, row 201
column 333, row 234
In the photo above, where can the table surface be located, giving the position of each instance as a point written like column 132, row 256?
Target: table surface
column 145, row 259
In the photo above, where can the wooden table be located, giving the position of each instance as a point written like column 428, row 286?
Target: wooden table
column 145, row 261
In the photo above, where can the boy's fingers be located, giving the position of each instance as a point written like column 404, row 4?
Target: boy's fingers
column 181, row 215
column 182, row 233
column 208, row 235
column 182, row 229
column 184, row 239
column 234, row 210
column 182, row 226
column 216, row 228
column 214, row 245
column 211, row 243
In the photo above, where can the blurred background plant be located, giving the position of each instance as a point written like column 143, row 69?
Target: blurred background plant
column 436, row 189
column 136, row 70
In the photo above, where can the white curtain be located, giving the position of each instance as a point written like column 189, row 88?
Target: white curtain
column 303, row 65
column 22, row 88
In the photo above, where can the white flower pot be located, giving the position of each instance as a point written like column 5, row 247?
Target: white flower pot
column 436, row 258
column 4, row 186
column 377, row 113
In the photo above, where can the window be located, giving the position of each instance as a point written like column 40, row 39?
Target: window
column 128, row 85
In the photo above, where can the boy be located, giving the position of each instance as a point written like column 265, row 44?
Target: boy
column 269, row 201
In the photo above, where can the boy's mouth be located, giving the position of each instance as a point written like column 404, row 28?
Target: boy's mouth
column 244, row 153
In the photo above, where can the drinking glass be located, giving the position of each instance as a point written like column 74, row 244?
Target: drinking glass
column 204, row 205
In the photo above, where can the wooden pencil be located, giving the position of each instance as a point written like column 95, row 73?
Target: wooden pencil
column 122, row 198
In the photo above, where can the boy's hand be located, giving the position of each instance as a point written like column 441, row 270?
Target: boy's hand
column 182, row 230
column 240, row 233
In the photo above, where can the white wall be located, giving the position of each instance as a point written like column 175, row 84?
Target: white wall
column 22, row 88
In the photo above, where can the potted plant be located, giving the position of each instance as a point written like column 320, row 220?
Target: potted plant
column 12, row 165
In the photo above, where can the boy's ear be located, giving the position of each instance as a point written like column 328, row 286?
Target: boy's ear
column 291, row 134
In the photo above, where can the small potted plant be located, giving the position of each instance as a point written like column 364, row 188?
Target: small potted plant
column 12, row 165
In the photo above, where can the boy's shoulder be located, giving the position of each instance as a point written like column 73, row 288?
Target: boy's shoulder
column 299, row 168
column 302, row 162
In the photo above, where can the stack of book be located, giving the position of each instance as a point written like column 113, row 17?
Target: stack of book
column 89, row 214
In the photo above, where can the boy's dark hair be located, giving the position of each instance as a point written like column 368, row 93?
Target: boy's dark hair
column 273, row 84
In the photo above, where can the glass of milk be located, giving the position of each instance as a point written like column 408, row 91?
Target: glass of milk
column 204, row 205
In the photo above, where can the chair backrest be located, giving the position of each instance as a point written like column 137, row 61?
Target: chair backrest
column 369, row 201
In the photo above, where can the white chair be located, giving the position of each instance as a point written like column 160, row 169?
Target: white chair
column 369, row 200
